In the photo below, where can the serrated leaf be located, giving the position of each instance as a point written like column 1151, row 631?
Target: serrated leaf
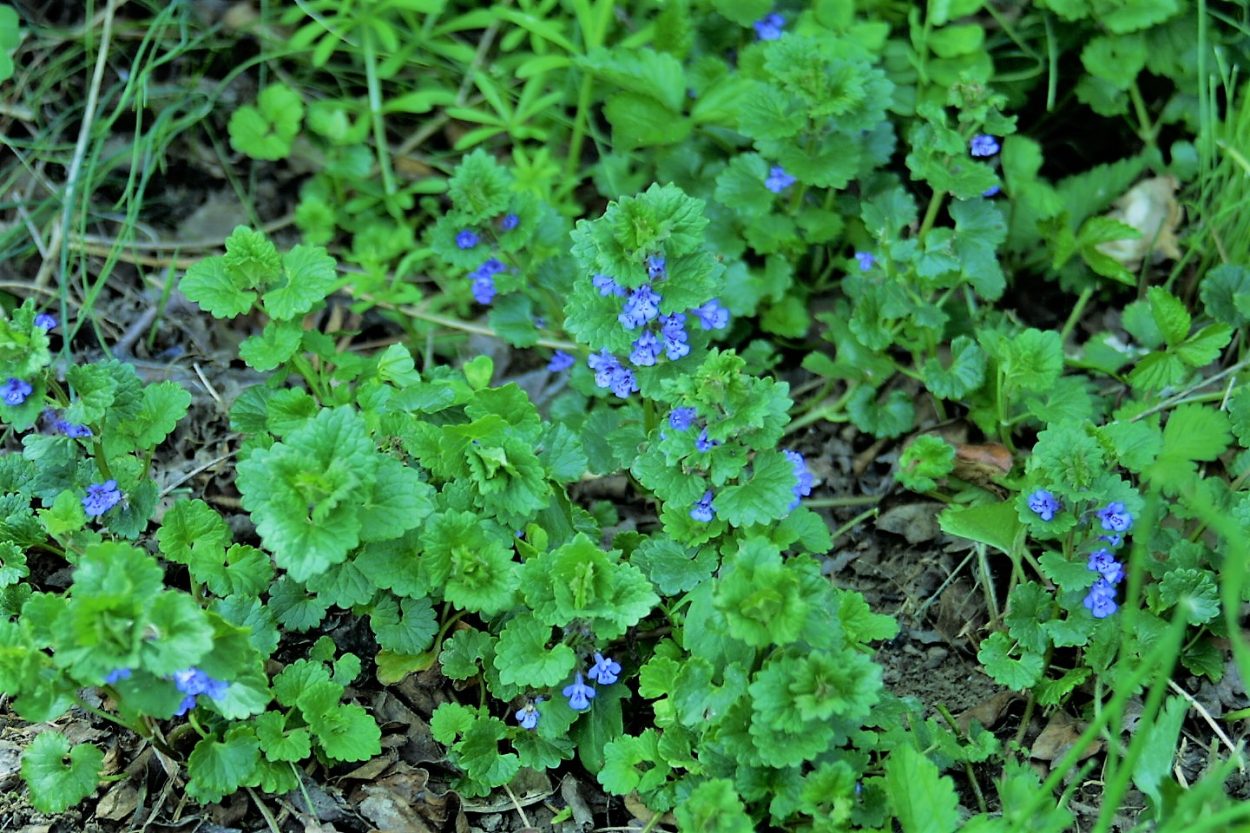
column 57, row 775
column 523, row 658
column 216, row 768
column 309, row 275
column 1015, row 673
column 404, row 626
column 763, row 497
column 1169, row 314
column 215, row 289
column 267, row 130
column 275, row 345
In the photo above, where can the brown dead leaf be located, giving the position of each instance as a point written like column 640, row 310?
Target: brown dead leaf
column 982, row 463
column 917, row 522
column 639, row 811
column 1058, row 737
column 119, row 803
column 987, row 713
column 388, row 811
column 1151, row 207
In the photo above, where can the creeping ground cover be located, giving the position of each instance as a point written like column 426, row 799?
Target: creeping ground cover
column 701, row 416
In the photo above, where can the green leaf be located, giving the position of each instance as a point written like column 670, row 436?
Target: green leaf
column 923, row 800
column 1015, row 673
column 304, row 493
column 633, row 764
column 523, row 658
column 602, row 725
column 279, row 743
column 994, row 524
column 740, row 187
column 927, row 457
column 400, row 501
column 1225, row 293
column 642, row 121
column 179, row 634
column 1195, row 589
column 309, row 276
column 217, row 290
column 470, row 560
column 885, row 420
column 396, row 366
column 1154, row 765
column 762, row 497
column 216, row 768
column 760, row 596
column 1169, row 314
column 57, row 775
column 1067, row 574
column 274, row 346
column 267, row 130
column 404, row 626
column 463, row 654
column 671, row 567
column 1204, row 346
column 1033, row 359
column 953, row 41
column 294, row 608
column 965, row 374
column 713, row 807
column 346, row 733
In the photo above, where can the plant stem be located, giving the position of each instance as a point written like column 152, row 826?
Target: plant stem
column 375, row 115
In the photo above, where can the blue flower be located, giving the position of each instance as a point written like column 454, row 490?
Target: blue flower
column 1101, row 599
column 803, row 486
column 992, row 191
column 1112, row 540
column 579, row 694
column 712, row 315
column 101, row 497
column 1105, row 564
column 642, row 305
column 490, row 266
column 560, row 362
column 865, row 260
column 676, row 349
column 118, row 674
column 607, row 286
column 193, row 682
column 778, row 180
column 1044, row 504
column 610, row 374
column 509, row 222
column 45, row 322
column 681, row 418
column 15, row 391
column 646, row 349
column 769, row 27
column 657, row 267
column 483, row 289
column 983, row 145
column 466, row 238
column 605, row 671
column 703, row 511
column 71, row 430
column 702, row 443
column 1115, row 518
column 529, row 714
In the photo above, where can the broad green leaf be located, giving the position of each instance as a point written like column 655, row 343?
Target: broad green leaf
column 216, row 768
column 922, row 799
column 57, row 775
column 309, row 276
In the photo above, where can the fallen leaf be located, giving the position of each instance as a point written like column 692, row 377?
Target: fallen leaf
column 1058, row 737
column 987, row 713
column 1150, row 206
column 118, row 803
column 982, row 463
column 917, row 522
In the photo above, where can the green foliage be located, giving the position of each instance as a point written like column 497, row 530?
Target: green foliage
column 267, row 130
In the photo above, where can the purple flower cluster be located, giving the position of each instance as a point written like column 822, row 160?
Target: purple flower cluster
column 605, row 671
column 611, row 374
column 769, row 27
column 1044, row 504
column 703, row 511
column 1116, row 520
column 641, row 310
column 101, row 497
column 15, row 391
column 983, row 145
column 805, row 481
column 778, row 180
column 193, row 682
column 483, row 278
